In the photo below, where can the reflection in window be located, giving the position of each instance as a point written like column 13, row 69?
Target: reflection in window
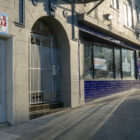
column 117, row 62
column 103, row 61
column 128, row 63
column 88, row 69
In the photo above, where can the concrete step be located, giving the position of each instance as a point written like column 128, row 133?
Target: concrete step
column 40, row 110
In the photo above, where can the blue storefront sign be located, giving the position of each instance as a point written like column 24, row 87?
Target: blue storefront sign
column 106, row 37
column 3, row 23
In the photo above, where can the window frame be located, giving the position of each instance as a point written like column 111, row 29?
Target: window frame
column 113, row 46
column 129, row 8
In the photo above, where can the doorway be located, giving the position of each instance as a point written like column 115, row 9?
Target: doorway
column 44, row 70
column 2, row 82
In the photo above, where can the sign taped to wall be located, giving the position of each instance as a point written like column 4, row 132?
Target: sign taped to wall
column 3, row 23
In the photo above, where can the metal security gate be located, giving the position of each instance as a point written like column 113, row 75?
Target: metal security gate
column 44, row 70
column 2, row 82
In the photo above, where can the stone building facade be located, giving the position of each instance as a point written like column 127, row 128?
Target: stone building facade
column 44, row 47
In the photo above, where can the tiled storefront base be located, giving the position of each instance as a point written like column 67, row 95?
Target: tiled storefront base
column 96, row 89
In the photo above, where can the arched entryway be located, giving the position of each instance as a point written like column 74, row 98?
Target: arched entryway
column 49, row 63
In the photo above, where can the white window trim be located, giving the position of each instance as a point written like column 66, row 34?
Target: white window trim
column 126, row 3
column 117, row 5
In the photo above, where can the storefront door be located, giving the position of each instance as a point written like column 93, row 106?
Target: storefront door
column 2, row 82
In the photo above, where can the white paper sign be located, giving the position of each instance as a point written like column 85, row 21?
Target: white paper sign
column 100, row 64
column 126, row 66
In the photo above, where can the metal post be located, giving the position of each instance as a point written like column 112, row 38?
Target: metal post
column 79, row 71
column 51, row 68
column 30, row 74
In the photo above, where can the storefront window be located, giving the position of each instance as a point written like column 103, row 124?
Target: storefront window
column 117, row 62
column 103, row 61
column 88, row 66
column 100, row 62
column 128, row 63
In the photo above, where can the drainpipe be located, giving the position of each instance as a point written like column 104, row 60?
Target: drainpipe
column 73, row 38
column 73, row 21
column 79, row 71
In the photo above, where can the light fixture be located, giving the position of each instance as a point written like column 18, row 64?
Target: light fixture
column 109, row 17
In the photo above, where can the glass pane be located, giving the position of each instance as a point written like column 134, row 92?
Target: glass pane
column 21, row 11
column 132, row 64
column 128, row 63
column 125, row 14
column 129, row 17
column 115, row 4
column 117, row 63
column 88, row 70
column 103, row 61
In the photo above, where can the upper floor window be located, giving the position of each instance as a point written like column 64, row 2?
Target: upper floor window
column 115, row 3
column 128, row 14
column 138, row 14
column 21, row 11
column 21, row 20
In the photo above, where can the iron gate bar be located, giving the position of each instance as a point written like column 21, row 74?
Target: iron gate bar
column 39, row 68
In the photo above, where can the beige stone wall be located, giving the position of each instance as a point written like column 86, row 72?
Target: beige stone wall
column 116, row 25
column 20, row 46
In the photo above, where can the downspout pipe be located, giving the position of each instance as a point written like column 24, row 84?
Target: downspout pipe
column 78, row 40
column 73, row 21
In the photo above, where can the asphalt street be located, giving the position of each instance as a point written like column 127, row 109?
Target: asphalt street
column 116, row 117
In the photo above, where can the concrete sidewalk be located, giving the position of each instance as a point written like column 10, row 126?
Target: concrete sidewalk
column 116, row 117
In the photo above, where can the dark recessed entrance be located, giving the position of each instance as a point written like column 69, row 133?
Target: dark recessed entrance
column 46, row 91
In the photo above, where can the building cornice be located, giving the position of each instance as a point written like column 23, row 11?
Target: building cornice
column 95, row 23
